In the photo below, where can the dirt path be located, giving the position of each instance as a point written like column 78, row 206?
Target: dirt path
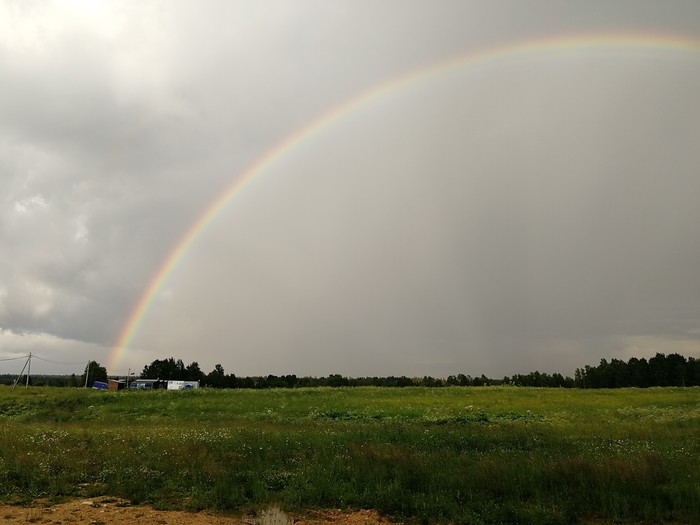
column 103, row 511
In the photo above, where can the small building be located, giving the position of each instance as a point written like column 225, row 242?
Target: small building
column 116, row 384
column 182, row 385
column 147, row 384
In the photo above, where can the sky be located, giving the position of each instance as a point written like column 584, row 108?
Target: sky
column 426, row 188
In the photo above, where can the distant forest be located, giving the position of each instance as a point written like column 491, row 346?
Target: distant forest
column 660, row 370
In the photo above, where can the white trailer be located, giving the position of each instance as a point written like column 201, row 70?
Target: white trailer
column 182, row 385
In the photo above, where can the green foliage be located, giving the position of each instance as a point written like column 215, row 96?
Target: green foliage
column 454, row 454
column 172, row 369
column 94, row 372
column 660, row 370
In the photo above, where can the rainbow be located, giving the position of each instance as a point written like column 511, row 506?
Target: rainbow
column 595, row 43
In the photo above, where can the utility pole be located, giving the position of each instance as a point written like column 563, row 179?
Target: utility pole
column 29, row 369
column 22, row 372
column 87, row 373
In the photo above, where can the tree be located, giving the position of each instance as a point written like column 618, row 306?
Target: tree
column 165, row 369
column 639, row 372
column 657, row 370
column 217, row 377
column 193, row 372
column 94, row 372
column 676, row 369
column 464, row 380
column 693, row 372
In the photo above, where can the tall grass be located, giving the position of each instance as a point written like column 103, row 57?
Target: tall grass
column 464, row 455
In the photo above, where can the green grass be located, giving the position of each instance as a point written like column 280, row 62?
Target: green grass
column 458, row 454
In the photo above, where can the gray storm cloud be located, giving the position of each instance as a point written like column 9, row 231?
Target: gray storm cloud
column 538, row 213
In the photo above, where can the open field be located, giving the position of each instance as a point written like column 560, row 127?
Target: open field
column 458, row 454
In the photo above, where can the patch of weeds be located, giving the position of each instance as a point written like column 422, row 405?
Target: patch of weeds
column 475, row 417
column 278, row 480
column 345, row 415
column 57, row 500
column 16, row 409
column 518, row 416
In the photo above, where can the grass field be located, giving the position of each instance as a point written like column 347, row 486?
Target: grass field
column 458, row 454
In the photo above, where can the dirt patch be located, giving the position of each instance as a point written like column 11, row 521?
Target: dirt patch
column 103, row 511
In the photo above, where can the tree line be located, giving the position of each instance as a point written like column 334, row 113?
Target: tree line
column 660, row 370
column 172, row 369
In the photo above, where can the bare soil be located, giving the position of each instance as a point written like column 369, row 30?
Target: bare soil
column 103, row 511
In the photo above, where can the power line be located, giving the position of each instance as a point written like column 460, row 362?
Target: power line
column 56, row 362
column 13, row 358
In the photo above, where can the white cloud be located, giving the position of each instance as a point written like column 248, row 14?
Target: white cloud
column 30, row 204
column 81, row 229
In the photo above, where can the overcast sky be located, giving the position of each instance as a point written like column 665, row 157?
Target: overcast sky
column 539, row 211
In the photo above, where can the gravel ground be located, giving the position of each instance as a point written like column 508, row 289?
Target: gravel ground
column 103, row 511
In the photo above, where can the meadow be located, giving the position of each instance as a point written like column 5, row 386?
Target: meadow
column 481, row 455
